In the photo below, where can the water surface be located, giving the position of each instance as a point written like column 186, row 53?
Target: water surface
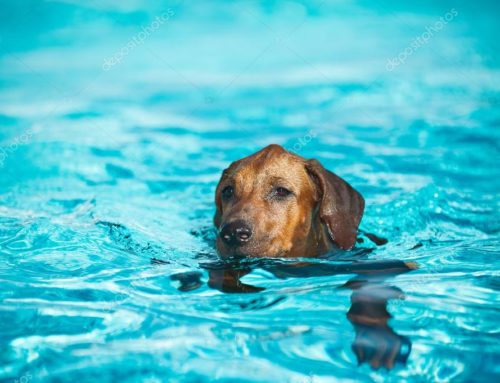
column 104, row 167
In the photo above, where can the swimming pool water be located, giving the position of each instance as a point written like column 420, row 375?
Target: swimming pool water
column 116, row 122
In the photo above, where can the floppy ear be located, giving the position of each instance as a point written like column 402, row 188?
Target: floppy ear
column 341, row 207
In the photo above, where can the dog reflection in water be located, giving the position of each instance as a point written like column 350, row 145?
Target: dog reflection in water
column 375, row 343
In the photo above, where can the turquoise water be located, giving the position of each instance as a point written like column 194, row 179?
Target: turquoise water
column 116, row 120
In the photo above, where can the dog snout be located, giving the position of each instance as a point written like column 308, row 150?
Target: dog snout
column 236, row 233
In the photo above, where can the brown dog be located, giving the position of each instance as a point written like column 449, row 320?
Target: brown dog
column 278, row 204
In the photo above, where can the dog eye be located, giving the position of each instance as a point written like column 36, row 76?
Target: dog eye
column 227, row 192
column 282, row 192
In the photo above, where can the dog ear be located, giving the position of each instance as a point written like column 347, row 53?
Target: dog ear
column 341, row 207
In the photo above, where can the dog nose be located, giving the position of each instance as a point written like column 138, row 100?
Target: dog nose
column 235, row 233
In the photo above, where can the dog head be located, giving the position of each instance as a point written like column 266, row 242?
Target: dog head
column 277, row 204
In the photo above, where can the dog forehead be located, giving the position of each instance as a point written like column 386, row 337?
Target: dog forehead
column 272, row 164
